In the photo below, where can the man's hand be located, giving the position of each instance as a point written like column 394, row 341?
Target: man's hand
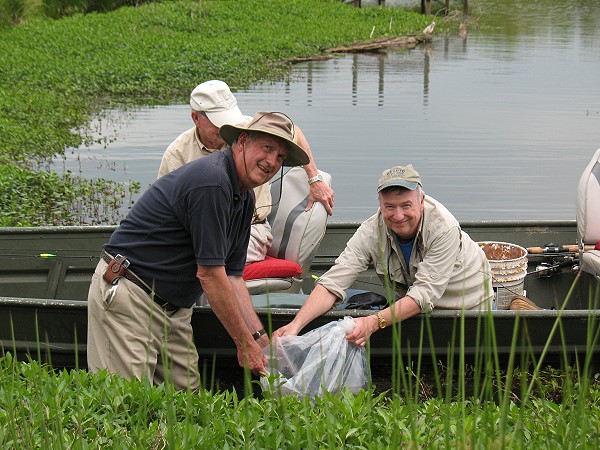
column 286, row 330
column 252, row 357
column 320, row 192
column 364, row 327
column 230, row 301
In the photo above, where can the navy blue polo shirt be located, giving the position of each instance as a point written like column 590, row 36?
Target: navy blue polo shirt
column 193, row 215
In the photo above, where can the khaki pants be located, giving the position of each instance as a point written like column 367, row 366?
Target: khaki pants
column 260, row 241
column 130, row 335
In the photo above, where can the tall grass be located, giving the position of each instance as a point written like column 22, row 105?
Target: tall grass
column 433, row 402
column 42, row 408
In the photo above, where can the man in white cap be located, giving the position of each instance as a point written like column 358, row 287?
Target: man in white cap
column 186, row 236
column 417, row 248
column 213, row 105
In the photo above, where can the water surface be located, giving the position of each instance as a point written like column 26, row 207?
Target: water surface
column 499, row 124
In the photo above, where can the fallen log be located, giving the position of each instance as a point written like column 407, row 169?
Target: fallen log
column 371, row 46
column 308, row 58
column 380, row 44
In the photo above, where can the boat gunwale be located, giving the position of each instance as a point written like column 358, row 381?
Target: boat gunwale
column 335, row 224
column 529, row 223
column 279, row 311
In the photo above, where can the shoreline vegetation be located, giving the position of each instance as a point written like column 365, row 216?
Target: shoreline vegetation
column 44, row 408
column 58, row 74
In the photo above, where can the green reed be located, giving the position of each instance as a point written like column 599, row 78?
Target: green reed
column 43, row 408
column 483, row 403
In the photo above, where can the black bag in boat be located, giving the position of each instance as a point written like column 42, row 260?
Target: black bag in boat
column 365, row 300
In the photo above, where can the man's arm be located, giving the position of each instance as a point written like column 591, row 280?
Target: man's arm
column 402, row 309
column 222, row 299
column 247, row 308
column 318, row 303
column 319, row 191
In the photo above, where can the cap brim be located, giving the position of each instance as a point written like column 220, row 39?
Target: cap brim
column 296, row 156
column 232, row 116
column 412, row 185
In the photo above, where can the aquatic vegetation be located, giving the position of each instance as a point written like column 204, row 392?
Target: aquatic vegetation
column 418, row 404
column 29, row 198
column 40, row 407
column 58, row 74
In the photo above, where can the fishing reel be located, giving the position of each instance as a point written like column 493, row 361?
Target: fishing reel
column 556, row 257
column 550, row 268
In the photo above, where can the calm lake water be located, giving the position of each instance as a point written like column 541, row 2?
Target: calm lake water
column 500, row 125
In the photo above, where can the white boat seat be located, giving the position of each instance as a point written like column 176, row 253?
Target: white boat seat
column 588, row 216
column 590, row 262
column 296, row 233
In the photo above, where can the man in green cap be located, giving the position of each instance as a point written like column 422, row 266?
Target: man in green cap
column 417, row 246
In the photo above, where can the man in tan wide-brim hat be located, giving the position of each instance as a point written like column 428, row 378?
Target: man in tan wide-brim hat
column 276, row 124
column 213, row 105
column 186, row 236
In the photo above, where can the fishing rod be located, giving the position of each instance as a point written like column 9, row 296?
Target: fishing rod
column 559, row 256
column 547, row 269
column 554, row 248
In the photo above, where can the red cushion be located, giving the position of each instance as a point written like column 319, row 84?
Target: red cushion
column 597, row 246
column 271, row 268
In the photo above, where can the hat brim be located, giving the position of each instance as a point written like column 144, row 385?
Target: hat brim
column 296, row 155
column 231, row 116
column 412, row 185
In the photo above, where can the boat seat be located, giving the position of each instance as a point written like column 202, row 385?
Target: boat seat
column 296, row 233
column 588, row 216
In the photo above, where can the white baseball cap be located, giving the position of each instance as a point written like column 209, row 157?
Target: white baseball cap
column 214, row 98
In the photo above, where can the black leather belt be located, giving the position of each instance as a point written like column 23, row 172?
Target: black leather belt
column 139, row 282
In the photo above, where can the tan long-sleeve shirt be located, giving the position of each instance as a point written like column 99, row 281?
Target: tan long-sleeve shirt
column 447, row 269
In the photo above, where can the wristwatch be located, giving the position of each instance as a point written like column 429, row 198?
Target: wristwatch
column 317, row 177
column 257, row 334
column 381, row 320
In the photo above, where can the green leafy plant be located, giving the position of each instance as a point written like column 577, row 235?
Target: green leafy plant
column 56, row 75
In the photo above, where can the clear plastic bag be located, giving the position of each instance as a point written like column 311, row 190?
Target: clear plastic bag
column 318, row 361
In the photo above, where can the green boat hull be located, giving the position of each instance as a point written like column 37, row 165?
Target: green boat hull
column 43, row 312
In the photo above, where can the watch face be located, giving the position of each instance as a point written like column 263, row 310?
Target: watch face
column 257, row 334
column 382, row 321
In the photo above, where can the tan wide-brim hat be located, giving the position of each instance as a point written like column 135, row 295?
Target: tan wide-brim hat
column 273, row 123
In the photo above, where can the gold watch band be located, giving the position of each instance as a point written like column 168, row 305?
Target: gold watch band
column 381, row 320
